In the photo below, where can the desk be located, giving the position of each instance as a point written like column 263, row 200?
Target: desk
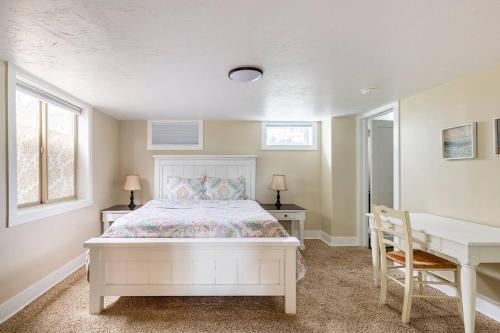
column 469, row 243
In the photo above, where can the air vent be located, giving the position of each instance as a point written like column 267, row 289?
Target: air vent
column 175, row 135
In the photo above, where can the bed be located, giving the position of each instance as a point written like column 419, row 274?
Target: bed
column 196, row 248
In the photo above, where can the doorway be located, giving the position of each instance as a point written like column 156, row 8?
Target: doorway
column 381, row 160
column 378, row 164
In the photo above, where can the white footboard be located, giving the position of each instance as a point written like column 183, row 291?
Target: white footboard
column 192, row 267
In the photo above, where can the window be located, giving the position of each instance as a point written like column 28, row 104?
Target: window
column 49, row 149
column 46, row 144
column 289, row 135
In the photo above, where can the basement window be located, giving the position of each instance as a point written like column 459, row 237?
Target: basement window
column 49, row 161
column 289, row 135
column 46, row 143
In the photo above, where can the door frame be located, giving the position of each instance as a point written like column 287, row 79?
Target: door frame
column 363, row 168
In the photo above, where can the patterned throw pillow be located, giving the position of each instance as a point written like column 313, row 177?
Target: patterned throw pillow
column 179, row 188
column 225, row 189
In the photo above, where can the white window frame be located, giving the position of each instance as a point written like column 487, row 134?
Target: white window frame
column 199, row 146
column 313, row 146
column 84, row 191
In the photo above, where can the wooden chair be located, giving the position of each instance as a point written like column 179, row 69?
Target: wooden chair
column 397, row 224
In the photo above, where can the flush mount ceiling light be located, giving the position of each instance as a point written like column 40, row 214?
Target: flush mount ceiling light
column 245, row 74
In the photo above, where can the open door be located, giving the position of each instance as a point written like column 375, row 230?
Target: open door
column 380, row 163
column 381, row 145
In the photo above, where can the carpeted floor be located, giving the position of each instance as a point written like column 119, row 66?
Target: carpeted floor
column 337, row 295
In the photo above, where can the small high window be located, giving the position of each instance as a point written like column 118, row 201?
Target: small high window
column 289, row 135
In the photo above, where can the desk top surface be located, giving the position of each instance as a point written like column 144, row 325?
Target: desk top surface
column 463, row 232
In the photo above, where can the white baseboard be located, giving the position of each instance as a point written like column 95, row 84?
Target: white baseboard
column 25, row 297
column 329, row 239
column 312, row 234
column 486, row 306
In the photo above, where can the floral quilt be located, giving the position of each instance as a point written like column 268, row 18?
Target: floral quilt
column 200, row 219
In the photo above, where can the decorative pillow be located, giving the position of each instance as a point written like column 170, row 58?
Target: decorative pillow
column 179, row 188
column 225, row 189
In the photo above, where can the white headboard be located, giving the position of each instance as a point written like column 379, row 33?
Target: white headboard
column 190, row 166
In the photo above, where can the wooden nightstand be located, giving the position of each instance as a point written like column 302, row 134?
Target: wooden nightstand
column 111, row 214
column 289, row 212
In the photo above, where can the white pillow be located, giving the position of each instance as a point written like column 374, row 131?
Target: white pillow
column 225, row 189
column 179, row 188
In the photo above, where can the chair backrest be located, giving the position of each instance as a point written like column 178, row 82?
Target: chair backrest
column 397, row 224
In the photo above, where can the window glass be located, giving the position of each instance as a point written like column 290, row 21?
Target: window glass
column 28, row 148
column 289, row 135
column 60, row 153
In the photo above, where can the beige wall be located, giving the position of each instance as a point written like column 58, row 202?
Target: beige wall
column 326, row 176
column 463, row 189
column 344, row 176
column 338, row 176
column 302, row 168
column 31, row 251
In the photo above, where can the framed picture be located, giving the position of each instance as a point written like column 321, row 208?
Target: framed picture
column 459, row 142
column 496, row 131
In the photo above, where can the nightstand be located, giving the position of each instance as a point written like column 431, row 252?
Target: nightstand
column 289, row 212
column 111, row 214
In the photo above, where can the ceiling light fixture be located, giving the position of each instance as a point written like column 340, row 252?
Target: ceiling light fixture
column 245, row 74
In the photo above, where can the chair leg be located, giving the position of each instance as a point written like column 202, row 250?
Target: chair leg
column 383, row 285
column 421, row 277
column 407, row 296
column 459, row 293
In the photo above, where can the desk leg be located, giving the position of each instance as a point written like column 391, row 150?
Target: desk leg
column 301, row 235
column 375, row 257
column 468, row 284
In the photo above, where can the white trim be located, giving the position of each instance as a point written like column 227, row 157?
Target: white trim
column 313, row 146
column 25, row 297
column 496, row 133
column 344, row 241
column 49, row 88
column 473, row 126
column 362, row 170
column 201, row 157
column 84, row 177
column 329, row 239
column 312, row 234
column 32, row 213
column 485, row 305
column 151, row 146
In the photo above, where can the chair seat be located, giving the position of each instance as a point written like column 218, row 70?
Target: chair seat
column 422, row 260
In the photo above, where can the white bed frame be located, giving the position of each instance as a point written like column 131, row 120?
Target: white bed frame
column 194, row 266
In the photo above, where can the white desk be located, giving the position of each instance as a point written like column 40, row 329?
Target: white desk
column 469, row 243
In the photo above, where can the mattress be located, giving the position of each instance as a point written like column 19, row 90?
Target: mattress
column 200, row 219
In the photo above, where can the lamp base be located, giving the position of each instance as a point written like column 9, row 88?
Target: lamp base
column 131, row 206
column 278, row 203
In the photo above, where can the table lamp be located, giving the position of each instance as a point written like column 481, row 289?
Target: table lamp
column 132, row 184
column 278, row 183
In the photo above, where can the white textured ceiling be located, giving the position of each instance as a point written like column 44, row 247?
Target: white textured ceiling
column 137, row 59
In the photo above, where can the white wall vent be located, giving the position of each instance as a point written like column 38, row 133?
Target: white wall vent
column 175, row 135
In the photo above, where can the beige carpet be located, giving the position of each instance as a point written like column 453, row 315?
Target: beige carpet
column 337, row 295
